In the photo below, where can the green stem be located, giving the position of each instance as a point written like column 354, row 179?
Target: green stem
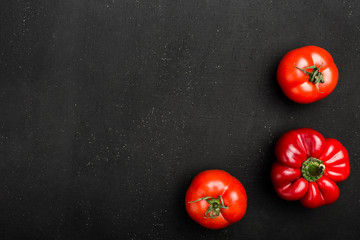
column 216, row 204
column 312, row 169
column 315, row 76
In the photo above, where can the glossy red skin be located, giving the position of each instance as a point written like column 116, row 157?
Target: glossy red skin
column 291, row 150
column 214, row 183
column 296, row 85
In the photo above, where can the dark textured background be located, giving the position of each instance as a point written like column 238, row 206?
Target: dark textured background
column 109, row 108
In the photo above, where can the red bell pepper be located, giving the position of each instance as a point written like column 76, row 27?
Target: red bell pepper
column 308, row 167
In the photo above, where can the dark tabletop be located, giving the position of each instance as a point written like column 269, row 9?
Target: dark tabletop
column 109, row 108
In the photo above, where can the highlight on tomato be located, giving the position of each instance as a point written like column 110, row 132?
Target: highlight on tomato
column 308, row 166
column 215, row 199
column 307, row 74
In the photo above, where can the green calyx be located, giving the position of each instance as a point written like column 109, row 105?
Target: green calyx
column 215, row 206
column 312, row 169
column 315, row 76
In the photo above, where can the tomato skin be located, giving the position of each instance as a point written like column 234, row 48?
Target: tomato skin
column 212, row 183
column 296, row 85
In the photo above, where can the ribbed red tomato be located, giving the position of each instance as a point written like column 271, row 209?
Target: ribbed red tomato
column 308, row 167
column 215, row 199
column 307, row 74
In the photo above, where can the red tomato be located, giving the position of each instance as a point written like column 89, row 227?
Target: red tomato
column 215, row 199
column 307, row 74
column 308, row 167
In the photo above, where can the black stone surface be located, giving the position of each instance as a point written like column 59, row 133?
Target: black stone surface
column 109, row 108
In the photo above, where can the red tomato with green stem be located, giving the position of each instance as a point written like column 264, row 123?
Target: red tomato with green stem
column 308, row 167
column 215, row 199
column 307, row 74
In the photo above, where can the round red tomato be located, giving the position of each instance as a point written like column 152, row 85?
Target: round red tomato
column 307, row 74
column 215, row 199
